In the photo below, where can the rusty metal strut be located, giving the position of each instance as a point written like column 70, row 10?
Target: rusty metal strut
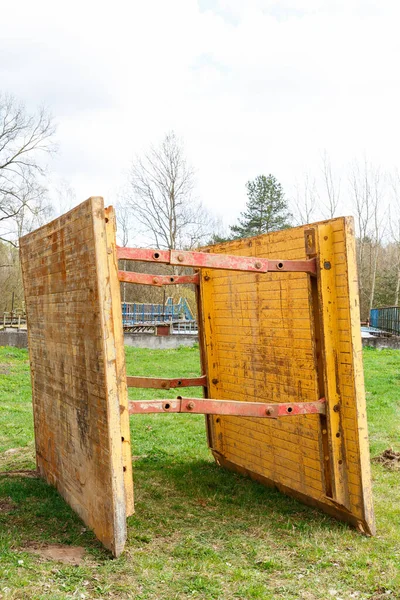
column 205, row 406
column 208, row 260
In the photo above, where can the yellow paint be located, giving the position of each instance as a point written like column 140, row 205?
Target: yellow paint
column 259, row 343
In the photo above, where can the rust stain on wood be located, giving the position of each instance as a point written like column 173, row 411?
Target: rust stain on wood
column 76, row 383
column 262, row 345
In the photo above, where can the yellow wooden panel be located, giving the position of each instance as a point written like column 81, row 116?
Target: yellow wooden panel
column 75, row 368
column 281, row 337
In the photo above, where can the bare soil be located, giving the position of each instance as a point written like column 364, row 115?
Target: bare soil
column 6, row 505
column 69, row 555
column 389, row 458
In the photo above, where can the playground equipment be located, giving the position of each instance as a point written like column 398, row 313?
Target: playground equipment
column 282, row 380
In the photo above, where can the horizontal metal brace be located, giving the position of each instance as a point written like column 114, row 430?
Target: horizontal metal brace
column 165, row 384
column 157, row 280
column 206, row 406
column 209, row 260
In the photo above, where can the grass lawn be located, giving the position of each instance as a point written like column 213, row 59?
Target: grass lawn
column 198, row 531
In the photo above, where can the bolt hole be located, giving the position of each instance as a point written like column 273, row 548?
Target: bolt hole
column 156, row 255
column 289, row 409
column 280, row 265
column 338, row 435
column 179, row 382
column 218, row 420
column 171, row 279
column 167, row 406
column 106, row 220
column 340, row 462
column 122, row 439
column 124, row 469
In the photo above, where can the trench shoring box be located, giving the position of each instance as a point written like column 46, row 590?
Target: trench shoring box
column 279, row 338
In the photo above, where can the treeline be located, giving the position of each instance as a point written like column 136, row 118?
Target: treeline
column 158, row 208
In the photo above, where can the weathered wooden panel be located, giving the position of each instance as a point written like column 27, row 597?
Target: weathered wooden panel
column 288, row 337
column 78, row 376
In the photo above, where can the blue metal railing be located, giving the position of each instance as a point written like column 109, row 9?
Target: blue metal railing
column 134, row 313
column 387, row 319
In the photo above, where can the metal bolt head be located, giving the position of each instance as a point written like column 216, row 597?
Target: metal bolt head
column 336, row 408
column 180, row 257
column 215, row 381
column 258, row 265
column 268, row 412
column 155, row 280
column 206, row 278
column 327, row 265
column 190, row 405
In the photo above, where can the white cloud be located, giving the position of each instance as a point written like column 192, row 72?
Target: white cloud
column 255, row 86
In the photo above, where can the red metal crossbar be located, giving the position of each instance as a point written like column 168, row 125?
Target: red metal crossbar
column 158, row 280
column 166, row 384
column 227, row 407
column 217, row 261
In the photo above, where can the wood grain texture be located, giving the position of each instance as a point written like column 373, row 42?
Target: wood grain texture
column 120, row 357
column 260, row 341
column 73, row 356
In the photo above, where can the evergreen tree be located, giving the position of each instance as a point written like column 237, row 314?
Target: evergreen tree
column 266, row 208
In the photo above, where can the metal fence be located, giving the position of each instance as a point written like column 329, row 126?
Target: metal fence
column 134, row 313
column 386, row 319
column 189, row 327
column 15, row 319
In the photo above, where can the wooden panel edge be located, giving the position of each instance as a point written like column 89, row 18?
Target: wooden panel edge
column 117, row 491
column 358, row 370
column 110, row 221
column 330, row 509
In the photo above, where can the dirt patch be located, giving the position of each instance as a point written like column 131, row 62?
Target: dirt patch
column 69, row 555
column 7, row 505
column 4, row 369
column 389, row 458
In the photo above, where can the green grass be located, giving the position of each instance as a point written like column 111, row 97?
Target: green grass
column 198, row 531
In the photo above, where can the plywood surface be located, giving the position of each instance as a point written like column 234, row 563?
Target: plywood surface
column 262, row 344
column 76, row 379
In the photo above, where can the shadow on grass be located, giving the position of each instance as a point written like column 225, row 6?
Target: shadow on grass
column 169, row 497
column 40, row 515
column 167, row 490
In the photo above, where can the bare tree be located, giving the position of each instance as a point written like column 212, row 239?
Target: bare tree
column 378, row 230
column 332, row 186
column 306, row 199
column 367, row 185
column 65, row 196
column 23, row 138
column 160, row 197
column 394, row 224
column 123, row 223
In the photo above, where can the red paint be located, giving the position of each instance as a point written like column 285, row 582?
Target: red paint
column 165, row 384
column 158, row 280
column 208, row 260
column 228, row 407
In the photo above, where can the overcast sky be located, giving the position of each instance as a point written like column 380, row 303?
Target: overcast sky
column 251, row 86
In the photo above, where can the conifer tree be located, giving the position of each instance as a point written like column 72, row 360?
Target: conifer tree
column 266, row 208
